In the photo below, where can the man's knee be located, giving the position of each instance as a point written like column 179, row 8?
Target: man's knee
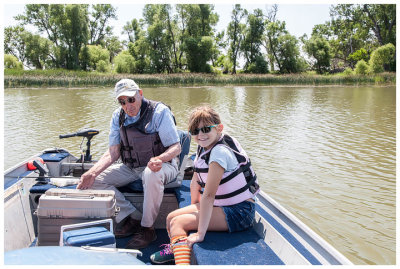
column 150, row 177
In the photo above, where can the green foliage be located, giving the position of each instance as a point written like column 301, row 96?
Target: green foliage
column 159, row 37
column 357, row 56
column 380, row 19
column 37, row 50
column 361, row 68
column 124, row 63
column 225, row 64
column 288, row 54
column 182, row 40
column 259, row 66
column 318, row 48
column 199, row 51
column 65, row 25
column 103, row 66
column 198, row 42
column 93, row 54
column 11, row 62
column 252, row 41
column 14, row 42
column 348, row 71
column 100, row 15
column 383, row 59
column 235, row 35
column 140, row 51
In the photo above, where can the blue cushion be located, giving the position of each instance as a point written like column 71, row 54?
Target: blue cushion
column 183, row 194
column 42, row 187
column 223, row 248
column 241, row 248
column 54, row 156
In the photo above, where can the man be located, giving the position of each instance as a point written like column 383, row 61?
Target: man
column 144, row 135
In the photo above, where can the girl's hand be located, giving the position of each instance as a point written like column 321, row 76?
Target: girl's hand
column 194, row 238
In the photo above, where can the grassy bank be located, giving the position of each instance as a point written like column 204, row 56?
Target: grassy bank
column 68, row 79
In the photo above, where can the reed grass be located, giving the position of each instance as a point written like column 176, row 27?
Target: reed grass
column 73, row 79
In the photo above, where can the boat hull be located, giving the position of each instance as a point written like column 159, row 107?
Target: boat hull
column 279, row 231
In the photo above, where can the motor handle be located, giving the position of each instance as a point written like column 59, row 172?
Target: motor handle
column 89, row 133
column 67, row 135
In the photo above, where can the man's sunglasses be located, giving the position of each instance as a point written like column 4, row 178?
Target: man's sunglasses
column 204, row 130
column 131, row 100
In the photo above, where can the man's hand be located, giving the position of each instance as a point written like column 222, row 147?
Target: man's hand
column 155, row 164
column 86, row 181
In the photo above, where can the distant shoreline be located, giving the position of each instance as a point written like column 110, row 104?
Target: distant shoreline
column 78, row 79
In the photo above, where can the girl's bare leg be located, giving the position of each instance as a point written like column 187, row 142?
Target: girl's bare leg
column 181, row 221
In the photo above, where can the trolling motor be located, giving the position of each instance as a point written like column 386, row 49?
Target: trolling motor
column 85, row 133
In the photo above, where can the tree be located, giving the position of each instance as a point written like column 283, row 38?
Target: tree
column 75, row 29
column 95, row 54
column 353, row 27
column 11, row 62
column 274, row 30
column 133, row 30
column 198, row 52
column 270, row 18
column 14, row 42
column 65, row 25
column 124, row 62
column 99, row 17
column 113, row 45
column 319, row 49
column 37, row 50
column 288, row 54
column 235, row 34
column 383, row 59
column 357, row 56
column 382, row 21
column 103, row 66
column 197, row 31
column 252, row 42
column 361, row 67
column 159, row 37
column 348, row 32
column 140, row 51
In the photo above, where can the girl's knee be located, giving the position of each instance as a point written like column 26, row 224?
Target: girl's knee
column 174, row 222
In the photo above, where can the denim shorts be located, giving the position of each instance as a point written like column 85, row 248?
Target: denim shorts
column 240, row 216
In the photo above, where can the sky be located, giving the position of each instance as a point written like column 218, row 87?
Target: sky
column 299, row 18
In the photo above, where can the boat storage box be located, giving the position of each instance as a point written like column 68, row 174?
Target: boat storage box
column 93, row 236
column 59, row 207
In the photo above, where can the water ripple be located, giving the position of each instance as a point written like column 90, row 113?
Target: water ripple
column 327, row 154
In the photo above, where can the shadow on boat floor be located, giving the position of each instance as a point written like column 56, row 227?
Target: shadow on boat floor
column 162, row 238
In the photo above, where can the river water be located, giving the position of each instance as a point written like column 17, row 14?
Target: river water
column 327, row 154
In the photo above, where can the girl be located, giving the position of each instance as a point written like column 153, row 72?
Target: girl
column 222, row 189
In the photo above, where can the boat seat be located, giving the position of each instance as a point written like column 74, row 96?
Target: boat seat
column 224, row 248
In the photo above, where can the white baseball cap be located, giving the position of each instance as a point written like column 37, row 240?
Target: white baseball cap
column 126, row 87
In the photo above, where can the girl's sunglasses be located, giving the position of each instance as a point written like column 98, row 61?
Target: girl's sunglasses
column 131, row 100
column 204, row 130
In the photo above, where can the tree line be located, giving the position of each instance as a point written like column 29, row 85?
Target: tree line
column 183, row 38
